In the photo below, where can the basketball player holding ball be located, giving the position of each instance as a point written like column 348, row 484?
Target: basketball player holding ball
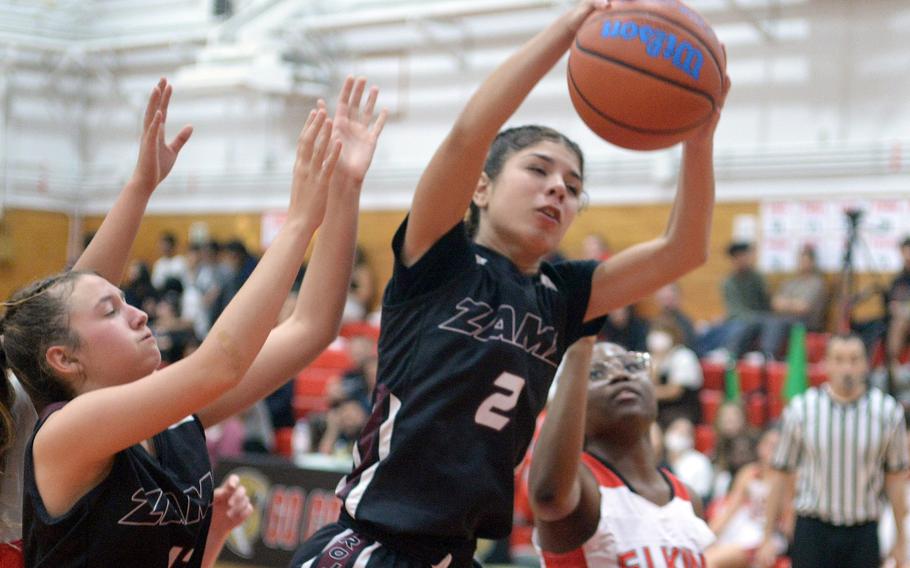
column 474, row 325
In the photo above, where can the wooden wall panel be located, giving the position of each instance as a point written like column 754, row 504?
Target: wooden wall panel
column 626, row 225
column 36, row 246
column 222, row 227
column 622, row 226
column 39, row 244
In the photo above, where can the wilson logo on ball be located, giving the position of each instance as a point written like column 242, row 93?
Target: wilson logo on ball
column 658, row 43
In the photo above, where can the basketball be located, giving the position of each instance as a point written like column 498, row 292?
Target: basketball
column 643, row 75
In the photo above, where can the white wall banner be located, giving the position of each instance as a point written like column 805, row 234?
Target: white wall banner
column 788, row 225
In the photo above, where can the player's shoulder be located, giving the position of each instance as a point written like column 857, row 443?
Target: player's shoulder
column 568, row 276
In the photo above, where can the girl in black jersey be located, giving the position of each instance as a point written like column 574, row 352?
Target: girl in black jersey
column 116, row 473
column 472, row 330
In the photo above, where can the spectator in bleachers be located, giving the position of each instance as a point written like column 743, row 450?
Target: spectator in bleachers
column 169, row 264
column 734, row 445
column 172, row 331
column 739, row 521
column 259, row 436
column 138, row 289
column 225, row 439
column 191, row 298
column 675, row 371
column 688, row 464
column 556, row 256
column 361, row 291
column 669, row 302
column 343, row 424
column 749, row 316
column 357, row 382
column 236, row 266
column 899, row 310
column 623, row 327
column 803, row 298
column 202, row 286
column 595, row 247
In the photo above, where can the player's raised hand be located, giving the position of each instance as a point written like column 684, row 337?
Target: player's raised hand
column 230, row 506
column 156, row 155
column 355, row 127
column 580, row 12
column 317, row 156
column 706, row 131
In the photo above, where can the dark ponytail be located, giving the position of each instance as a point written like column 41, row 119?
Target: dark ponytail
column 510, row 141
column 7, row 398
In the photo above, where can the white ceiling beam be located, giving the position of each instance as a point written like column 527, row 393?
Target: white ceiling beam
column 399, row 15
column 759, row 24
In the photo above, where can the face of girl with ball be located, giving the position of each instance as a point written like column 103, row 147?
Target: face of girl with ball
column 533, row 199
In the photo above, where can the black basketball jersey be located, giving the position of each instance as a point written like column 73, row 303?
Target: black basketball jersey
column 150, row 511
column 468, row 349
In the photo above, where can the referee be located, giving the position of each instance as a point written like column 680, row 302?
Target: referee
column 841, row 443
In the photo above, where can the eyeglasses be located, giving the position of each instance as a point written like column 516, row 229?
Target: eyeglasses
column 628, row 363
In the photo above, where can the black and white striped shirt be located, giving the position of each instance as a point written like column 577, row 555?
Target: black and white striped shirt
column 841, row 453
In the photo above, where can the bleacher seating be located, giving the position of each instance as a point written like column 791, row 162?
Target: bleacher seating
column 359, row 328
column 757, row 409
column 283, row 438
column 704, row 438
column 750, row 376
column 713, row 372
column 776, row 378
column 816, row 343
column 710, row 400
column 761, row 387
column 311, row 385
column 310, row 388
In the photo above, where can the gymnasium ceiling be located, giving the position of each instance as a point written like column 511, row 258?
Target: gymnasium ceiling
column 777, row 45
column 839, row 65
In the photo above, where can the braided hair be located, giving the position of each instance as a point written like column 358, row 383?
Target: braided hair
column 35, row 319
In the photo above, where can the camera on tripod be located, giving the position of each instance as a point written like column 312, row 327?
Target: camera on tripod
column 853, row 217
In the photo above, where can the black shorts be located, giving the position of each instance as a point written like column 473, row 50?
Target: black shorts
column 336, row 546
column 817, row 544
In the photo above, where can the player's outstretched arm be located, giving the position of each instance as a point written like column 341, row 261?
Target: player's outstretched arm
column 766, row 555
column 109, row 250
column 447, row 185
column 320, row 303
column 734, row 500
column 74, row 449
column 640, row 270
column 562, row 491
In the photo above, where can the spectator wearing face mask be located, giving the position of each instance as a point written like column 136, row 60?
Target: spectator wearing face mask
column 688, row 464
column 676, row 373
column 734, row 445
column 669, row 305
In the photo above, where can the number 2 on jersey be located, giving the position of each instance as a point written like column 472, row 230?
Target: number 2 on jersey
column 493, row 411
column 179, row 556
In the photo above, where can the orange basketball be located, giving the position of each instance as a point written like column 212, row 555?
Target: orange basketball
column 644, row 74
